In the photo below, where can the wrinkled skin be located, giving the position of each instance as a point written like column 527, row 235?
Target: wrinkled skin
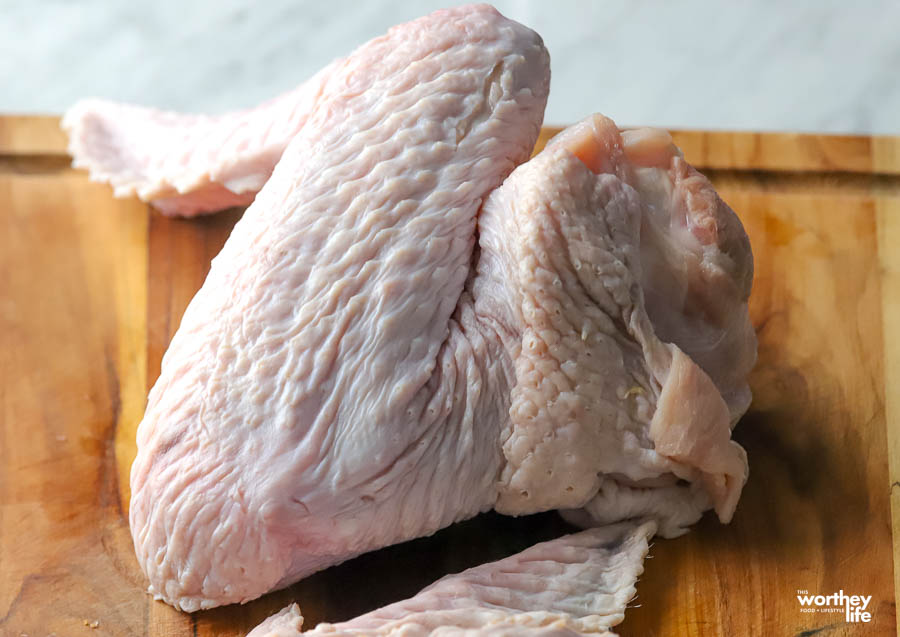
column 323, row 385
column 391, row 340
column 575, row 585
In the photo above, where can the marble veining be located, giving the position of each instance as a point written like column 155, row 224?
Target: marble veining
column 808, row 65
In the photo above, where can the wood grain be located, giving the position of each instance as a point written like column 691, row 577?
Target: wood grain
column 73, row 281
column 784, row 152
column 888, row 217
column 31, row 135
column 92, row 289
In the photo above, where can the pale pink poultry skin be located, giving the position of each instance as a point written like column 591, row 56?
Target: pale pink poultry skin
column 185, row 164
column 322, row 386
column 572, row 246
column 576, row 585
column 391, row 340
column 616, row 452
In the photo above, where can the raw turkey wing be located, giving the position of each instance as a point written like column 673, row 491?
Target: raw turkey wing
column 354, row 372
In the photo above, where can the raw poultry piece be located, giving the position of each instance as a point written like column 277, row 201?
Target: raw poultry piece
column 322, row 397
column 355, row 371
column 618, row 281
column 575, row 585
column 186, row 164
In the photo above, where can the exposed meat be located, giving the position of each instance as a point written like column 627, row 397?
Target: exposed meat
column 324, row 395
column 371, row 359
column 189, row 164
column 575, row 585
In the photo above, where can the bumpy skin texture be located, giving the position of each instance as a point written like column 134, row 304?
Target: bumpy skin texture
column 327, row 392
column 572, row 245
column 355, row 371
column 576, row 585
column 187, row 164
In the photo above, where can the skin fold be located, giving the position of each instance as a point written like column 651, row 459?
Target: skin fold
column 414, row 323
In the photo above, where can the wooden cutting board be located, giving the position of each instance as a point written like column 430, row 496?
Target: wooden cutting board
column 92, row 289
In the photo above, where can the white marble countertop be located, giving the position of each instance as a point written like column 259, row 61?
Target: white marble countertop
column 811, row 65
